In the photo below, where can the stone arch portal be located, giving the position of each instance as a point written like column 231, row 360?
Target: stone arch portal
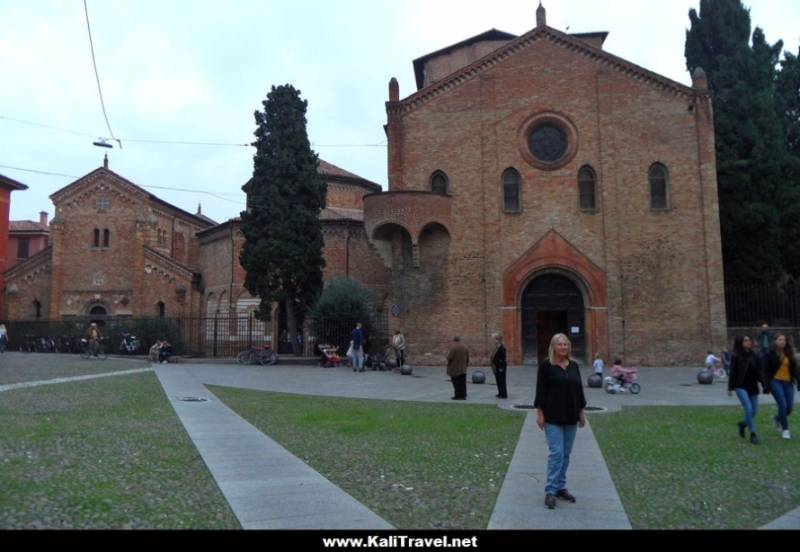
column 555, row 266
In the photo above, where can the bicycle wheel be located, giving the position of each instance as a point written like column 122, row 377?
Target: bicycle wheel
column 101, row 352
column 243, row 357
column 635, row 388
column 85, row 352
column 267, row 357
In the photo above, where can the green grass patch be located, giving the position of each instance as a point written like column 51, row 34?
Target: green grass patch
column 687, row 468
column 25, row 367
column 417, row 465
column 106, row 453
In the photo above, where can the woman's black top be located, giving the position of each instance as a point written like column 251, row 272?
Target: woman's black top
column 559, row 393
column 745, row 373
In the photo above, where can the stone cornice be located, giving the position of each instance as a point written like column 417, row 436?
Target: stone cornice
column 30, row 264
column 162, row 261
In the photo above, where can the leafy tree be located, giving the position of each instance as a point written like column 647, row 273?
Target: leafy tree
column 751, row 149
column 282, row 253
column 343, row 303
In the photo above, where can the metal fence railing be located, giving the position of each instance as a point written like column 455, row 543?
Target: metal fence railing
column 753, row 305
column 220, row 336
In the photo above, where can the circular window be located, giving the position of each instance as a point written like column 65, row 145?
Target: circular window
column 548, row 141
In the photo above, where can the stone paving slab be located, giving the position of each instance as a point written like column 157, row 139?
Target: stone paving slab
column 520, row 504
column 266, row 486
column 789, row 521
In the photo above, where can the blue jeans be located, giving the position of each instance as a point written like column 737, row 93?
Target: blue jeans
column 783, row 391
column 358, row 359
column 559, row 440
column 750, row 407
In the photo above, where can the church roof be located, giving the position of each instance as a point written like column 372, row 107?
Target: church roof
column 334, row 173
column 575, row 43
column 55, row 196
column 490, row 35
column 335, row 213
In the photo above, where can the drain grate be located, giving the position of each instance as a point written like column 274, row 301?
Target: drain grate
column 523, row 406
column 191, row 399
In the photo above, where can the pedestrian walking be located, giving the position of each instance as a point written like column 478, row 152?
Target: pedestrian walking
column 3, row 338
column 560, row 405
column 457, row 364
column 744, row 378
column 499, row 365
column 358, row 348
column 399, row 345
column 765, row 339
column 782, row 376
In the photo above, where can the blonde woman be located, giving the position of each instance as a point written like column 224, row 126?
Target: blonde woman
column 560, row 405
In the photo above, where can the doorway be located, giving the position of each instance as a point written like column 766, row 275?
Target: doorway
column 552, row 304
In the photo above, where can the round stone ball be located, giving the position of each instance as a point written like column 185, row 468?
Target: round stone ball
column 595, row 381
column 478, row 377
column 406, row 370
column 704, row 377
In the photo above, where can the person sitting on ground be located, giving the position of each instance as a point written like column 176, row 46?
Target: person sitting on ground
column 712, row 361
column 165, row 353
column 155, row 351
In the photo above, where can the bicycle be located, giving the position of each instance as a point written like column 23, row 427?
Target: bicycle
column 264, row 356
column 94, row 348
column 715, row 369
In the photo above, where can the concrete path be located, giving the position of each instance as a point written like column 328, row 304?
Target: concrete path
column 521, row 501
column 39, row 383
column 789, row 521
column 265, row 485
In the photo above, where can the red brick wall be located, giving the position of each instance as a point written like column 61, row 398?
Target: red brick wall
column 663, row 269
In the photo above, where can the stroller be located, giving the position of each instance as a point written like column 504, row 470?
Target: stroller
column 622, row 380
column 329, row 356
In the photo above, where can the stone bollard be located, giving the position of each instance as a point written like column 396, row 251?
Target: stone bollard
column 478, row 377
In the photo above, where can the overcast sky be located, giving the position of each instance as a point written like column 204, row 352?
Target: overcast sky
column 196, row 70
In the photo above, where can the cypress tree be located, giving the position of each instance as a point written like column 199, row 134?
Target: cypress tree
column 751, row 152
column 282, row 253
column 788, row 99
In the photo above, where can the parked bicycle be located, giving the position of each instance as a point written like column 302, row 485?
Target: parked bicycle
column 129, row 345
column 264, row 356
column 714, row 367
column 96, row 348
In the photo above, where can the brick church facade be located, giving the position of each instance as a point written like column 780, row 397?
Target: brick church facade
column 537, row 184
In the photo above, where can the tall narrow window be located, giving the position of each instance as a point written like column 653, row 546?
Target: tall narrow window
column 659, row 187
column 97, row 237
column 511, row 181
column 106, row 237
column 439, row 183
column 23, row 248
column 161, row 309
column 587, row 188
column 37, row 306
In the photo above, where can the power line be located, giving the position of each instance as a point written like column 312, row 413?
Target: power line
column 172, row 142
column 97, row 76
column 189, row 190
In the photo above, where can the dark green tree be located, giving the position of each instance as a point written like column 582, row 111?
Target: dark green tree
column 751, row 152
column 343, row 303
column 788, row 100
column 282, row 253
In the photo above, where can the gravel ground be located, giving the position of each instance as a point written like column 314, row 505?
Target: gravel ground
column 98, row 454
column 417, row 465
column 23, row 367
column 681, row 467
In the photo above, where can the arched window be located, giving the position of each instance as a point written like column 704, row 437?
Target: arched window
column 106, row 237
column 162, row 308
column 98, row 311
column 587, row 188
column 511, row 185
column 659, row 187
column 439, row 183
column 97, row 237
column 37, row 307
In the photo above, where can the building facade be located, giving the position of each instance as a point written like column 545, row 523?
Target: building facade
column 537, row 185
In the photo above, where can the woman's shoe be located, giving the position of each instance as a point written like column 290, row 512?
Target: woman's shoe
column 565, row 495
column 741, row 425
column 550, row 501
column 754, row 439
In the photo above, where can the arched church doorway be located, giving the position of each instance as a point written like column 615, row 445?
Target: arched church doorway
column 552, row 304
column 98, row 315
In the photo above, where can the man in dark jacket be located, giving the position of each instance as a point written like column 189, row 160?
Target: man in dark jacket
column 457, row 363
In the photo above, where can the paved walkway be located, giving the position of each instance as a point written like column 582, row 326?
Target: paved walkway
column 265, row 485
column 22, row 385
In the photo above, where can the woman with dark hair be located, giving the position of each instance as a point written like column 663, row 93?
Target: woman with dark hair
column 499, row 365
column 782, row 376
column 744, row 379
column 560, row 404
